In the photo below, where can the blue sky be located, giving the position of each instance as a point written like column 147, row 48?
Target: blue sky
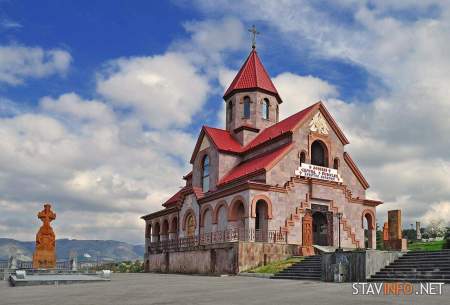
column 101, row 101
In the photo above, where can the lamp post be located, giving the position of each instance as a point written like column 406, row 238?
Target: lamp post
column 339, row 217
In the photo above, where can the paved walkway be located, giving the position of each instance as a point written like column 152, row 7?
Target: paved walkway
column 140, row 289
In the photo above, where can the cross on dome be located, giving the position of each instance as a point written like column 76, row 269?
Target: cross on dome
column 254, row 33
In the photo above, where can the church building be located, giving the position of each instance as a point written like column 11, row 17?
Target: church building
column 288, row 185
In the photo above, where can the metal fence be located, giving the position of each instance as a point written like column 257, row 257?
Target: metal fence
column 217, row 237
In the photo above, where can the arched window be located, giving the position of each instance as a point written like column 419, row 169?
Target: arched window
column 302, row 157
column 319, row 154
column 230, row 111
column 190, row 226
column 265, row 109
column 336, row 163
column 246, row 107
column 278, row 113
column 205, row 174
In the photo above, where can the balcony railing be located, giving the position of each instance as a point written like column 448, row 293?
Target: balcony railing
column 217, row 237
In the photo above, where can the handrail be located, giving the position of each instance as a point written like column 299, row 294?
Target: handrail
column 216, row 237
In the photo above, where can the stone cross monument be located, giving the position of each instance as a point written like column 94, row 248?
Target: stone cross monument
column 393, row 231
column 44, row 254
column 418, row 234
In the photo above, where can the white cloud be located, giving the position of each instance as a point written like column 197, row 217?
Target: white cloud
column 437, row 211
column 18, row 63
column 162, row 90
column 105, row 162
column 87, row 160
column 299, row 92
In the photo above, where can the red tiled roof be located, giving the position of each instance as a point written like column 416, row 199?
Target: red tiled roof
column 279, row 128
column 252, row 75
column 174, row 199
column 223, row 139
column 183, row 192
column 263, row 162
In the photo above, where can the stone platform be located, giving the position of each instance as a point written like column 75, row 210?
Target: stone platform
column 57, row 279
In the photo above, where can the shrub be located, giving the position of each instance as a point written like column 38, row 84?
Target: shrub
column 447, row 239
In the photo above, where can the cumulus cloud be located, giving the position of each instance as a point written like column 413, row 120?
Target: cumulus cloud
column 400, row 138
column 301, row 91
column 105, row 162
column 90, row 162
column 163, row 90
column 18, row 63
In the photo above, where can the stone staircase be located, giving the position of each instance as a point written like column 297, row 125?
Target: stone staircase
column 308, row 269
column 417, row 266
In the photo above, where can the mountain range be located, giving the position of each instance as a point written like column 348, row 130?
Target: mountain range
column 105, row 249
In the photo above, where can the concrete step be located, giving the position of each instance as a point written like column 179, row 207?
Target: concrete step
column 430, row 254
column 412, row 274
column 304, row 268
column 445, row 251
column 308, row 264
column 289, row 271
column 406, row 280
column 425, row 258
column 314, row 278
column 409, row 276
column 419, row 264
column 418, row 269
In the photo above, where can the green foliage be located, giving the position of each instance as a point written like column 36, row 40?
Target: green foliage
column 427, row 246
column 409, row 234
column 123, row 267
column 447, row 239
column 276, row 266
column 380, row 243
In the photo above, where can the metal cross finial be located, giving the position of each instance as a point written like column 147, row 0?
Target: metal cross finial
column 254, row 33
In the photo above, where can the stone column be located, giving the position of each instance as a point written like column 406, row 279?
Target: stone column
column 418, row 234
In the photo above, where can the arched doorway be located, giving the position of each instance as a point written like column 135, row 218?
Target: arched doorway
column 320, row 229
column 207, row 220
column 155, row 237
column 165, row 230
column 261, row 222
column 319, row 153
column 174, row 228
column 368, row 226
column 240, row 215
column 190, row 226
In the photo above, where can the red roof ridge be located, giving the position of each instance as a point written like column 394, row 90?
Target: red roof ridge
column 252, row 75
column 186, row 190
column 356, row 170
column 280, row 128
column 258, row 163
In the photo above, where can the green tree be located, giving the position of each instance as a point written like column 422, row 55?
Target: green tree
column 380, row 243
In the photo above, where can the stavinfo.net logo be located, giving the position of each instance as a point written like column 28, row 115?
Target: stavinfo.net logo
column 397, row 288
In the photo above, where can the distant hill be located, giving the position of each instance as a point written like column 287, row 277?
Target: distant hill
column 110, row 249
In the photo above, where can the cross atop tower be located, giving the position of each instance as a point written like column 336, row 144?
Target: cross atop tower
column 254, row 33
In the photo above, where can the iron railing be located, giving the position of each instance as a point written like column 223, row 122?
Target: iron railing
column 217, row 237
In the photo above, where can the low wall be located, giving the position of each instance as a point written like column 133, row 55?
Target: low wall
column 355, row 266
column 227, row 258
column 254, row 254
column 212, row 259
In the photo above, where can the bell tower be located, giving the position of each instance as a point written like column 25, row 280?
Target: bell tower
column 252, row 101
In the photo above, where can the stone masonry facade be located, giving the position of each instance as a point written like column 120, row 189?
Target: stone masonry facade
column 243, row 186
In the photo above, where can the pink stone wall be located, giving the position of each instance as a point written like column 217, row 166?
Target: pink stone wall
column 228, row 258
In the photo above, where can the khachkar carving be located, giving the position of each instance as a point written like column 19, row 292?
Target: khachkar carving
column 44, row 254
column 318, row 124
column 307, row 239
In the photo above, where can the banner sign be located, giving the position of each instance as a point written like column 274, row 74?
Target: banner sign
column 318, row 172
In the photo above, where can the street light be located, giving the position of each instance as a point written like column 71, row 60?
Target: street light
column 339, row 217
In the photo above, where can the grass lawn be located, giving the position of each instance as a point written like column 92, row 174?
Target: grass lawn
column 276, row 266
column 429, row 246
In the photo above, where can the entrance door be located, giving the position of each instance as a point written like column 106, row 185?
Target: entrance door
column 320, row 229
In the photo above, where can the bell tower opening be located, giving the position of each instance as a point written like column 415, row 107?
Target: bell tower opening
column 252, row 101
